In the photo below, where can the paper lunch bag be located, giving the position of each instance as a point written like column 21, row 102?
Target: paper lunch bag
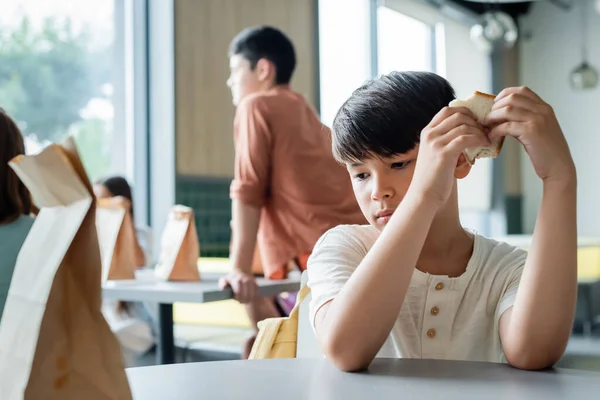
column 180, row 249
column 117, row 241
column 54, row 342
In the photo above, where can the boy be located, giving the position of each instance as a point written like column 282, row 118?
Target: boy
column 414, row 283
column 287, row 188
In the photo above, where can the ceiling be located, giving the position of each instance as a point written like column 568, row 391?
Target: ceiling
column 511, row 7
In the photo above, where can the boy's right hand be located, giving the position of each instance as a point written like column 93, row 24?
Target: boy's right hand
column 243, row 284
column 448, row 135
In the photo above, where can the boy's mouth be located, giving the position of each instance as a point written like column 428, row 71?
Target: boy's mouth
column 384, row 215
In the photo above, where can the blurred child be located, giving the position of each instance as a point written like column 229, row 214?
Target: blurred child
column 16, row 205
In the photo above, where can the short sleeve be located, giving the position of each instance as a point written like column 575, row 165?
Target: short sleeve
column 335, row 257
column 511, row 285
column 252, row 167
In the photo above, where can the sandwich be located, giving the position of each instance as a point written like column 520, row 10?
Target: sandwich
column 481, row 105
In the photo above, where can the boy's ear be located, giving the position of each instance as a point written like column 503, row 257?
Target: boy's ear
column 462, row 167
column 264, row 69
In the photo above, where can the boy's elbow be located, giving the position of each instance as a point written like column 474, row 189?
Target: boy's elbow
column 344, row 356
column 348, row 363
column 533, row 360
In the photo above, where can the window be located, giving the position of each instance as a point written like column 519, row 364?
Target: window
column 374, row 37
column 344, row 52
column 60, row 75
column 403, row 43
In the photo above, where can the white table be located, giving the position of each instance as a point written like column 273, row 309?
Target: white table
column 146, row 288
column 317, row 379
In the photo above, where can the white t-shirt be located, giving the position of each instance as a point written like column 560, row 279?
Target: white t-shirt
column 441, row 317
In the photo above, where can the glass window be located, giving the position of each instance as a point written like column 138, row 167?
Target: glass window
column 344, row 52
column 403, row 43
column 58, row 67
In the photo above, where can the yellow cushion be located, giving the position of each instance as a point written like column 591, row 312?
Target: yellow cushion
column 213, row 264
column 588, row 262
column 278, row 337
column 220, row 313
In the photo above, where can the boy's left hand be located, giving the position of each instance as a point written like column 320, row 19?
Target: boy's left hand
column 521, row 113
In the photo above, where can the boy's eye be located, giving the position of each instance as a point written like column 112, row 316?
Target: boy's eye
column 360, row 177
column 400, row 165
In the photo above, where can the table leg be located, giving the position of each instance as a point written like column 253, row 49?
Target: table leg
column 587, row 325
column 165, row 351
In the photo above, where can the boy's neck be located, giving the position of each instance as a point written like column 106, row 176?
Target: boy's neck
column 448, row 246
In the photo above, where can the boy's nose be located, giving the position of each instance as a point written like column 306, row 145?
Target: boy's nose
column 381, row 191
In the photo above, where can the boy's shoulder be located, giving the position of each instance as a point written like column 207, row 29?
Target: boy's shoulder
column 352, row 241
column 275, row 96
column 344, row 246
column 253, row 102
column 363, row 234
column 494, row 254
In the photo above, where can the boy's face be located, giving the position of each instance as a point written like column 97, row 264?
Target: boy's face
column 380, row 184
column 244, row 80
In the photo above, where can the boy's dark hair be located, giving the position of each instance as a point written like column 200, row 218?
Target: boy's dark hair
column 15, row 199
column 385, row 116
column 269, row 43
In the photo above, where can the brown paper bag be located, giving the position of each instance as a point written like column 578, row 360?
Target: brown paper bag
column 54, row 342
column 117, row 241
column 180, row 250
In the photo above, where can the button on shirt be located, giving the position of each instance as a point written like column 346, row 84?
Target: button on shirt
column 441, row 317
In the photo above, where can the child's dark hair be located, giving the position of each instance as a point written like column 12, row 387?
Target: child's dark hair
column 118, row 186
column 269, row 43
column 385, row 116
column 15, row 199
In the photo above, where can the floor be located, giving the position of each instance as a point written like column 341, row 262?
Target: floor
column 202, row 343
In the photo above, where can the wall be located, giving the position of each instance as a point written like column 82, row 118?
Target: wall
column 546, row 59
column 204, row 113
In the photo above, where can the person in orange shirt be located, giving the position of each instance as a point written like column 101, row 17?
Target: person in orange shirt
column 287, row 188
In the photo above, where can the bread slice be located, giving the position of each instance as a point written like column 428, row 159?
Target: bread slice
column 481, row 105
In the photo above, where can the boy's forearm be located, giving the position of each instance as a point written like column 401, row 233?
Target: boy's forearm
column 245, row 220
column 361, row 317
column 542, row 316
